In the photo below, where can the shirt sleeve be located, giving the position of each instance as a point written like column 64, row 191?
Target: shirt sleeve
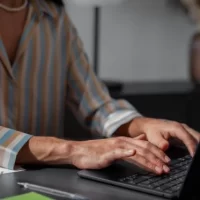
column 117, row 119
column 11, row 141
column 87, row 96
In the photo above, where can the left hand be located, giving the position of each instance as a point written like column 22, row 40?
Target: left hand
column 159, row 132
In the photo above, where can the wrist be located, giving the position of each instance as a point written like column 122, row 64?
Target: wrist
column 129, row 129
column 132, row 128
column 68, row 151
column 136, row 127
column 76, row 151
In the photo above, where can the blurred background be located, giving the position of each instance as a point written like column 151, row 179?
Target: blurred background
column 140, row 39
column 147, row 52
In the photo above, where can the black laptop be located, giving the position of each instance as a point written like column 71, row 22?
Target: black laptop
column 183, row 181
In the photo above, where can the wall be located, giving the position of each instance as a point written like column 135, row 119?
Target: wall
column 82, row 17
column 140, row 40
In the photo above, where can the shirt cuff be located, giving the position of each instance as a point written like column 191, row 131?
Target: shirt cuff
column 11, row 142
column 117, row 119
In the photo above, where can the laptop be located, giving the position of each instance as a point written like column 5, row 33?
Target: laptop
column 183, row 181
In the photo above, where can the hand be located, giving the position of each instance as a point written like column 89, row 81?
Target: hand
column 97, row 154
column 158, row 132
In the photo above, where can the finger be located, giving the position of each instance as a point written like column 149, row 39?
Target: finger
column 158, row 140
column 144, row 152
column 118, row 153
column 154, row 150
column 194, row 133
column 149, row 151
column 151, row 158
column 144, row 155
column 134, row 161
column 143, row 163
column 183, row 135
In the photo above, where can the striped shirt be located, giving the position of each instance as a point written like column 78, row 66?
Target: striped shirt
column 50, row 72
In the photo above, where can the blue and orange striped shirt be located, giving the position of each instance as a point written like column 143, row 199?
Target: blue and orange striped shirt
column 50, row 72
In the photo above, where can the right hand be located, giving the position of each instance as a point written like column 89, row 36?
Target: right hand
column 97, row 154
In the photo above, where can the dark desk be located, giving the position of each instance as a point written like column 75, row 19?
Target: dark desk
column 68, row 180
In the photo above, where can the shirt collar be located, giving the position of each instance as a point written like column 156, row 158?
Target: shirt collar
column 42, row 7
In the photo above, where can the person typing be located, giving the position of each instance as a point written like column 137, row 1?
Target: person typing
column 43, row 69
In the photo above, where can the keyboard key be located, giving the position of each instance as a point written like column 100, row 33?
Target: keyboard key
column 140, row 179
column 163, row 187
column 175, row 188
column 155, row 185
column 156, row 179
column 175, row 171
column 173, row 162
column 185, row 168
column 180, row 180
column 146, row 182
column 162, row 182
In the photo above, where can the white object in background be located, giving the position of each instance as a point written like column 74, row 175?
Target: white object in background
column 7, row 171
column 95, row 2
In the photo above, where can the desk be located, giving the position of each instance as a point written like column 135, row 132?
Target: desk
column 68, row 180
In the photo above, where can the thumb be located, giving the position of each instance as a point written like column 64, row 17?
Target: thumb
column 159, row 141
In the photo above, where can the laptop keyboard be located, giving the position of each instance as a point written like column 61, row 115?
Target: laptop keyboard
column 168, row 183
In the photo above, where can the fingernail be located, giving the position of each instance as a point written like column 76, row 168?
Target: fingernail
column 166, row 169
column 193, row 153
column 158, row 169
column 167, row 159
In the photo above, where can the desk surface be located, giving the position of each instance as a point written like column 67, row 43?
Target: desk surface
column 68, row 180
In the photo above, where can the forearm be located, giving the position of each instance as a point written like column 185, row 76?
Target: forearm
column 45, row 150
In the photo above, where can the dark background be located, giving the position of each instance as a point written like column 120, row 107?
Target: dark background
column 177, row 101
